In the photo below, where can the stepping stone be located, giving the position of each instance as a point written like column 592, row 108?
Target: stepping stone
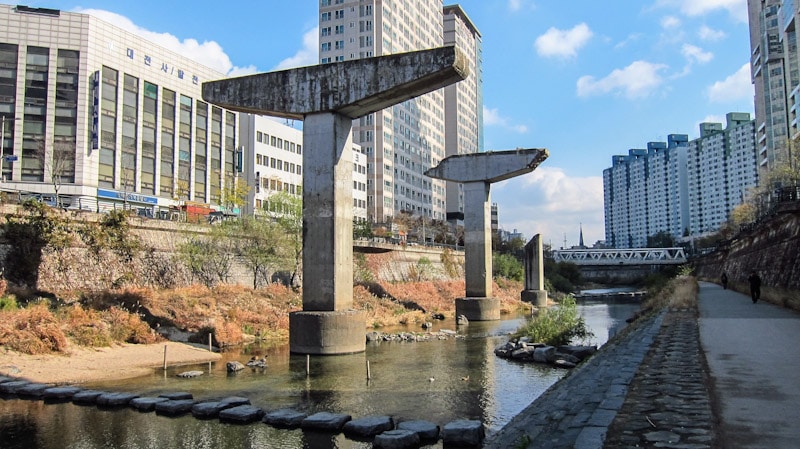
column 396, row 439
column 325, row 421
column 426, row 430
column 233, row 401
column 207, row 410
column 190, row 374
column 174, row 407
column 32, row 390
column 86, row 397
column 146, row 404
column 176, row 395
column 60, row 393
column 234, row 366
column 241, row 414
column 463, row 432
column 115, row 399
column 285, row 418
column 368, row 426
column 12, row 386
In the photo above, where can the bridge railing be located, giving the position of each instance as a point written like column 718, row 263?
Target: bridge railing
column 630, row 256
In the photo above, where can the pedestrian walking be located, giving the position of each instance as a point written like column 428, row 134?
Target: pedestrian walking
column 724, row 280
column 755, row 286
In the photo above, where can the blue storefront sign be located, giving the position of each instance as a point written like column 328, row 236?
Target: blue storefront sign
column 122, row 196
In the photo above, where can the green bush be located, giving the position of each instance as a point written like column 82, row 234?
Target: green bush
column 507, row 266
column 556, row 326
column 8, row 302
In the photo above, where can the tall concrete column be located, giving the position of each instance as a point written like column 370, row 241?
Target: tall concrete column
column 534, row 292
column 328, row 98
column 327, row 213
column 477, row 172
column 478, row 239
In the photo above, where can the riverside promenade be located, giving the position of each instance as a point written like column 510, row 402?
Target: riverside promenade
column 722, row 376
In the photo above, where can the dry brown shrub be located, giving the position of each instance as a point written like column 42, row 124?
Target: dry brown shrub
column 32, row 330
column 125, row 327
column 85, row 326
column 680, row 292
column 227, row 333
column 3, row 287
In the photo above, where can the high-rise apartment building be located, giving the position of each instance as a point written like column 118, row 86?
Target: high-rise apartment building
column 684, row 188
column 775, row 70
column 401, row 142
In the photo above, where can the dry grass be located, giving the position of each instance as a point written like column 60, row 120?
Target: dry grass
column 680, row 293
column 232, row 314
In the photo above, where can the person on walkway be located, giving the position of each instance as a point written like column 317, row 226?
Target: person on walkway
column 724, row 280
column 755, row 286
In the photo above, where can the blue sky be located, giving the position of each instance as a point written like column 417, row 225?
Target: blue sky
column 586, row 79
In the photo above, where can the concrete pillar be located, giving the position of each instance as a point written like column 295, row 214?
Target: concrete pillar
column 477, row 172
column 328, row 98
column 534, row 292
column 327, row 324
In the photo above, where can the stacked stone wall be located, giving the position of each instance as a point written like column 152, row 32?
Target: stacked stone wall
column 771, row 248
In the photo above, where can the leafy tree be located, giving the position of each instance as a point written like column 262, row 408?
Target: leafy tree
column 362, row 229
column 287, row 210
column 58, row 164
column 507, row 266
column 209, row 258
column 258, row 243
column 28, row 237
column 661, row 239
column 235, row 193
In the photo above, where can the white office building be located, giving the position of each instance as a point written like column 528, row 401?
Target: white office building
column 114, row 118
column 684, row 188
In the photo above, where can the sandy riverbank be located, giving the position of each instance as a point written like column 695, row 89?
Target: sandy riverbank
column 82, row 365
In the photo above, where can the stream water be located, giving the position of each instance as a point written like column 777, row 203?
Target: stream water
column 438, row 381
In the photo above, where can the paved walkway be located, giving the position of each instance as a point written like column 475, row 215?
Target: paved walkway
column 724, row 376
column 753, row 353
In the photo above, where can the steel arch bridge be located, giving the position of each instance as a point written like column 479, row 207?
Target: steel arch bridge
column 616, row 257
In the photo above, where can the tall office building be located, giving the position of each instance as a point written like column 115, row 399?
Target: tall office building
column 684, row 188
column 401, row 142
column 115, row 118
column 775, row 71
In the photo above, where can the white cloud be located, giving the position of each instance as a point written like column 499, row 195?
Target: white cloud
column 634, row 37
column 696, row 54
column 492, row 117
column 735, row 87
column 693, row 8
column 563, row 43
column 208, row 53
column 670, row 22
column 709, row 34
column 308, row 55
column 637, row 80
column 517, row 5
column 551, row 203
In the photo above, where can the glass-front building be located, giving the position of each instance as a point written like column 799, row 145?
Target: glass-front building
column 107, row 118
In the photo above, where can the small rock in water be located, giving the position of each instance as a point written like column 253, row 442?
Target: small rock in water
column 234, row 366
column 189, row 374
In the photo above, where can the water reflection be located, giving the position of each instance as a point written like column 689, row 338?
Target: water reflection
column 438, row 381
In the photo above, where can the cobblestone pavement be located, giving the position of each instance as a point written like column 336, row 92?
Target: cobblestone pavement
column 578, row 410
column 648, row 389
column 668, row 403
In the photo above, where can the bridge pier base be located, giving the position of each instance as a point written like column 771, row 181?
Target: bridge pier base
column 327, row 333
column 536, row 297
column 478, row 308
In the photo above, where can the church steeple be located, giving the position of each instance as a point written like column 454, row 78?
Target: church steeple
column 581, row 239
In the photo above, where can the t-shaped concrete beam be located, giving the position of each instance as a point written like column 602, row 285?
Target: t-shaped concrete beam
column 477, row 171
column 351, row 88
column 328, row 97
column 490, row 167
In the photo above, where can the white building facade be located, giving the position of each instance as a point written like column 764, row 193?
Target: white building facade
column 117, row 118
column 401, row 142
column 684, row 188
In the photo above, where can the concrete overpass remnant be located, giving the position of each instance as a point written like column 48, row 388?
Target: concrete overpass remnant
column 327, row 98
column 477, row 172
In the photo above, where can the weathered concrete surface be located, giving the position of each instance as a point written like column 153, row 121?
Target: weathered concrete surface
column 327, row 98
column 350, row 88
column 477, row 172
column 327, row 333
column 534, row 292
column 490, row 167
column 327, row 213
